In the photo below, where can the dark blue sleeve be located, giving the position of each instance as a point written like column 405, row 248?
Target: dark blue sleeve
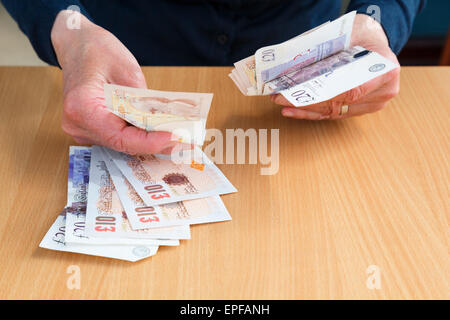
column 397, row 17
column 35, row 18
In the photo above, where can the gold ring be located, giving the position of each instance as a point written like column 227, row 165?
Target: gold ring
column 344, row 110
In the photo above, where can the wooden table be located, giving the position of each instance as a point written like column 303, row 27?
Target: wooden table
column 349, row 194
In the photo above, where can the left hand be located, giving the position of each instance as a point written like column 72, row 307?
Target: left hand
column 370, row 96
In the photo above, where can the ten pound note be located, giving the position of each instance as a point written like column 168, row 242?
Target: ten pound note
column 159, row 180
column 182, row 113
column 312, row 67
column 142, row 216
column 69, row 236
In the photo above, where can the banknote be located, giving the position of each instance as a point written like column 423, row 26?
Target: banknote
column 310, row 68
column 81, row 166
column 54, row 239
column 141, row 216
column 326, row 66
column 78, row 177
column 323, row 84
column 245, row 75
column 272, row 61
column 159, row 180
column 76, row 216
column 76, row 233
column 182, row 113
column 105, row 217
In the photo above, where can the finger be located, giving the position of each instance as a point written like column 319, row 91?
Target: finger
column 352, row 96
column 122, row 137
column 83, row 141
column 363, row 108
column 372, row 102
column 298, row 113
column 281, row 100
column 383, row 94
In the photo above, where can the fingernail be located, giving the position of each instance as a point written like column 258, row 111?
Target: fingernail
column 324, row 117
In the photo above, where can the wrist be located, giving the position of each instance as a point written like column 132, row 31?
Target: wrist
column 67, row 41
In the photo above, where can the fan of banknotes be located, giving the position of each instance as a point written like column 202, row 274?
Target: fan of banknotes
column 125, row 207
column 312, row 67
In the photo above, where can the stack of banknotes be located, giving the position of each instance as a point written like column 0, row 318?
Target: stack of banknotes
column 125, row 207
column 312, row 67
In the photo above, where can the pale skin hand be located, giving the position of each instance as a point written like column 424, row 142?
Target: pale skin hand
column 89, row 57
column 369, row 97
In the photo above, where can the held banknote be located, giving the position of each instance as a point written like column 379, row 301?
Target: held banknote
column 273, row 61
column 141, row 216
column 313, row 67
column 159, row 180
column 182, row 113
column 333, row 76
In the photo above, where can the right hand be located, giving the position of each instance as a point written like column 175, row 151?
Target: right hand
column 89, row 57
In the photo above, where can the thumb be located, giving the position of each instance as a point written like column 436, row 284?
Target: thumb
column 130, row 139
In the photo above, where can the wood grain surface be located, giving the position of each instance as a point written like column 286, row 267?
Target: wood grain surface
column 371, row 190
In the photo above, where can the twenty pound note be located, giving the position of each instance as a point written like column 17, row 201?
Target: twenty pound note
column 313, row 67
column 182, row 113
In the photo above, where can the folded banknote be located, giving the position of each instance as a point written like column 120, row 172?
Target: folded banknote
column 182, row 113
column 312, row 67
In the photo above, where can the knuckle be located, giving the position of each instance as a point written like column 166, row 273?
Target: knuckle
column 116, row 142
column 354, row 94
column 71, row 111
column 68, row 128
column 136, row 76
column 396, row 90
column 79, row 140
column 396, row 73
column 334, row 108
column 391, row 93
